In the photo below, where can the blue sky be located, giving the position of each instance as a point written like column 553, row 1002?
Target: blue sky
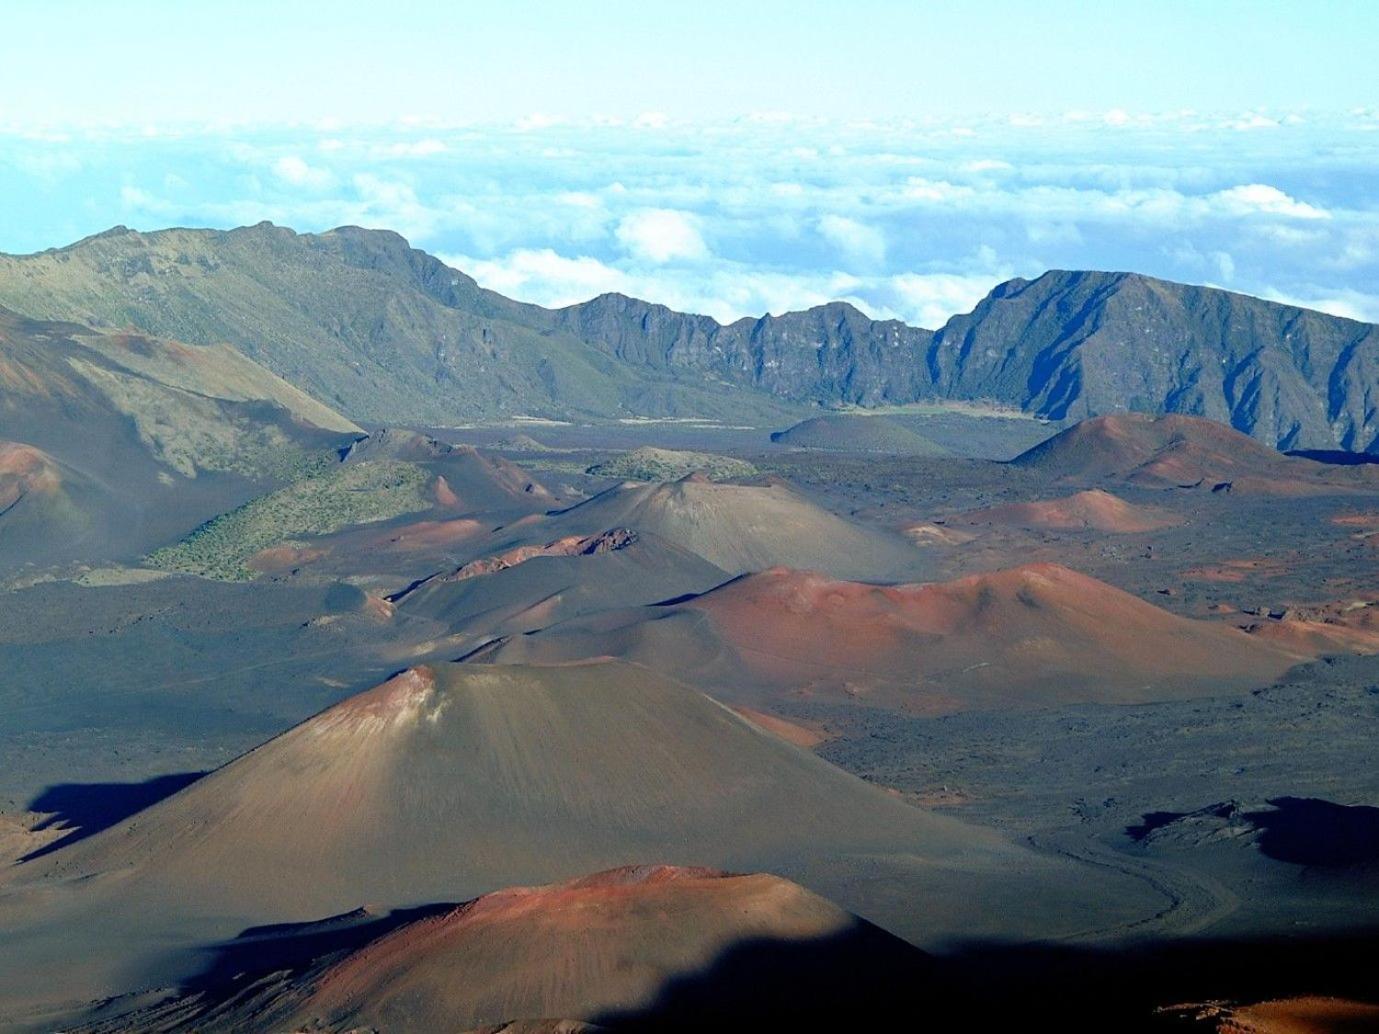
column 724, row 157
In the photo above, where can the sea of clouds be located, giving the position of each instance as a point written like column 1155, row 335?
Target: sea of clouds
column 916, row 220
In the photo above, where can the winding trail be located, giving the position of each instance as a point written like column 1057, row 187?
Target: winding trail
column 1195, row 901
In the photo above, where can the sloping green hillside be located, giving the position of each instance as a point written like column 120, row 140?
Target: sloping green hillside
column 326, row 501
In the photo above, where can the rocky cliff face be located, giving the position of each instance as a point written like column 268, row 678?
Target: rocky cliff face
column 830, row 353
column 1082, row 344
column 386, row 333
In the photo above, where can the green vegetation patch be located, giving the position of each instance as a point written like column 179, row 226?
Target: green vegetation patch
column 323, row 502
column 650, row 464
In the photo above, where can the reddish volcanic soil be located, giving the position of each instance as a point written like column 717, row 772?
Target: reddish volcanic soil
column 25, row 470
column 1302, row 1015
column 1171, row 448
column 741, row 528
column 1235, row 571
column 284, row 558
column 1335, row 628
column 1357, row 520
column 1183, row 451
column 397, row 540
column 570, row 545
column 443, row 783
column 933, row 534
column 617, row 947
column 1030, row 635
column 1095, row 510
column 1366, row 525
column 592, row 947
column 798, row 733
column 445, row 495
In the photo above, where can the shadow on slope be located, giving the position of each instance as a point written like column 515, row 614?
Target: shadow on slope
column 86, row 808
column 1079, row 988
column 650, row 957
column 851, row 979
column 1336, row 456
column 260, row 950
column 1298, row 830
column 1310, row 831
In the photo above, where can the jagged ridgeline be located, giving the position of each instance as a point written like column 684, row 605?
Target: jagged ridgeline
column 385, row 333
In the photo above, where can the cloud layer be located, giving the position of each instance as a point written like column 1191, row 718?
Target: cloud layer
column 911, row 220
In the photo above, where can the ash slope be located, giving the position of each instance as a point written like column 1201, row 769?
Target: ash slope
column 637, row 544
column 1034, row 636
column 1177, row 451
column 441, row 784
column 741, row 528
column 1093, row 510
column 387, row 333
column 857, row 434
column 640, row 946
column 527, row 588
column 116, row 442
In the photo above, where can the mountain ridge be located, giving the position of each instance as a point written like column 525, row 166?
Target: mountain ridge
column 386, row 333
column 1286, row 375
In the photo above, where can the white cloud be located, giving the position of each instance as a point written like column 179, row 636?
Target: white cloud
column 49, row 165
column 662, row 235
column 294, row 169
column 393, row 204
column 728, row 291
column 1291, row 235
column 1254, row 120
column 917, row 188
column 578, row 199
column 135, row 197
column 536, row 121
column 928, row 299
column 725, row 291
column 413, row 148
column 1260, row 197
column 732, row 218
column 1054, row 233
column 859, row 242
column 987, row 165
column 1351, row 304
column 542, row 276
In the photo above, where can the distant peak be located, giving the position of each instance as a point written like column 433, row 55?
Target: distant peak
column 352, row 230
column 838, row 305
column 115, row 231
column 619, row 300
